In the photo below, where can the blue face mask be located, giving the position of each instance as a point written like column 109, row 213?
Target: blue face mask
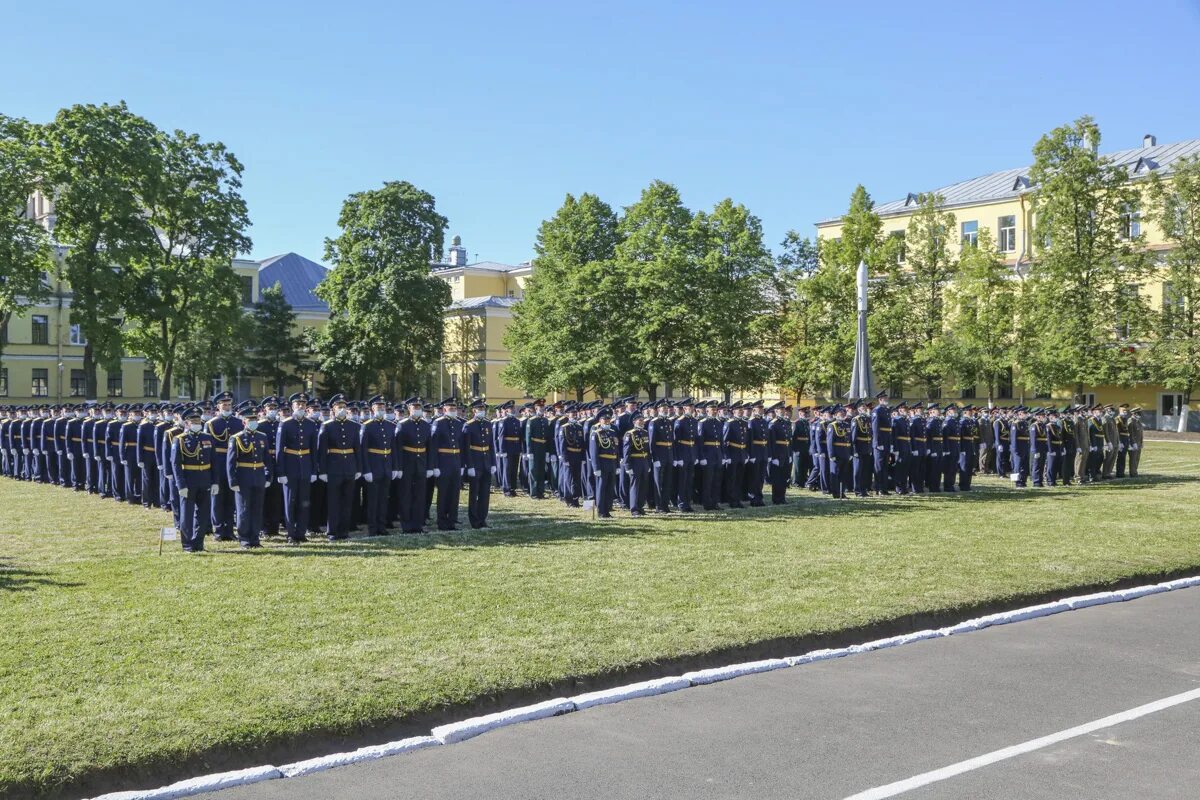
column 252, row 424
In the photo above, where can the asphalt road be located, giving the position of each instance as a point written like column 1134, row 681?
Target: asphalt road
column 837, row 728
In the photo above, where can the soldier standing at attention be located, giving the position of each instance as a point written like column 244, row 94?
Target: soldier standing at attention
column 1066, row 424
column 1002, row 434
column 733, row 441
column 685, row 434
column 1111, row 440
column 268, row 426
column 248, row 465
column 127, row 448
column 779, row 438
column 951, row 447
column 635, row 451
column 445, row 456
column 839, row 444
column 933, row 457
column 1019, row 446
column 1039, row 446
column 1122, row 423
column 508, row 443
column 571, row 445
column 662, row 449
column 477, row 456
column 603, row 447
column 1136, row 438
column 1095, row 428
column 1054, row 447
column 412, row 446
column 220, row 428
column 380, row 464
column 192, row 459
column 968, row 452
column 864, row 461
column 758, row 447
column 338, row 466
column 146, row 465
column 881, row 441
column 901, row 448
column 295, row 451
column 537, row 433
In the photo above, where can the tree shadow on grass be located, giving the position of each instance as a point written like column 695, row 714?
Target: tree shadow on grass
column 19, row 579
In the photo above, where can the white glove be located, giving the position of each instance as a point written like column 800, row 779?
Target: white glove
column 553, row 459
column 728, row 461
column 324, row 476
column 396, row 474
column 1133, row 447
column 437, row 473
column 775, row 461
column 677, row 463
column 70, row 456
column 235, row 488
column 1001, row 448
column 428, row 473
column 493, row 469
column 1120, row 448
column 36, row 452
column 283, row 480
column 658, row 463
column 110, row 458
column 833, row 461
column 215, row 490
column 124, row 462
column 629, row 472
column 267, row 485
column 752, row 460
column 899, row 460
column 369, row 477
column 1107, row 447
column 1091, row 449
column 183, row 493
column 357, row 475
column 26, row 451
column 59, row 452
column 879, row 447
column 704, row 462
column 470, row 472
column 312, row 478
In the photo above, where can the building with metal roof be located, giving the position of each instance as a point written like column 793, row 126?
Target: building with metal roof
column 298, row 277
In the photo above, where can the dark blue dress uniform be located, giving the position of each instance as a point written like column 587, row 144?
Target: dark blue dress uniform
column 477, row 457
column 756, row 462
column 933, row 455
column 339, row 467
column 193, row 459
column 412, row 446
column 571, row 445
column 1002, row 432
column 273, row 497
column 603, row 447
column 710, row 462
column 537, row 435
column 508, row 443
column 818, row 431
column 635, row 452
column 779, row 444
column 951, row 446
column 881, row 443
column 220, row 429
column 249, row 468
column 60, row 447
column 445, row 456
column 127, row 442
column 661, row 431
column 379, row 461
column 685, row 449
column 162, row 458
column 168, row 442
column 147, row 463
column 1054, row 451
column 116, row 471
column 1039, row 447
column 839, row 445
column 734, row 438
column 99, row 450
column 74, row 453
column 296, row 463
column 968, row 429
column 918, row 469
column 864, row 461
column 1019, row 449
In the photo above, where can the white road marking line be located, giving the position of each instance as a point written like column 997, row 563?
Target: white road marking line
column 926, row 778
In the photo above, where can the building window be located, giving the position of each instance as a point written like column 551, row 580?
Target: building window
column 41, row 329
column 1131, row 222
column 247, row 290
column 1004, row 384
column 149, row 383
column 76, row 336
column 900, row 254
column 970, row 233
column 4, row 333
column 41, row 383
column 1127, row 308
column 935, row 392
column 3, row 381
column 78, row 383
column 475, row 384
column 115, row 386
column 967, row 393
column 1172, row 300
column 1008, row 233
column 896, row 390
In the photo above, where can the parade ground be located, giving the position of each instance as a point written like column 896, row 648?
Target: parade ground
column 121, row 668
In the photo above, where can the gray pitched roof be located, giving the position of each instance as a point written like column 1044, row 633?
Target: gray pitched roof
column 490, row 266
column 490, row 301
column 297, row 276
column 996, row 186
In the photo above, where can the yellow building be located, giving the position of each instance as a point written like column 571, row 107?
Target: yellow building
column 1000, row 203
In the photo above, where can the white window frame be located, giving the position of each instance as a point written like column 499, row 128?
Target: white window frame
column 75, row 336
column 1006, row 237
column 1131, row 222
column 1177, row 398
column 970, row 237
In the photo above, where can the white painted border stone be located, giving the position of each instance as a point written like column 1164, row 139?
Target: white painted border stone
column 322, row 763
column 703, row 676
column 630, row 691
column 204, row 783
column 469, row 728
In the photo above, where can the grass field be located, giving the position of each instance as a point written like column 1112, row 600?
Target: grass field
column 115, row 661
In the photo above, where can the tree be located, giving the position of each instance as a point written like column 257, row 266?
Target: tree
column 560, row 335
column 919, row 298
column 787, row 332
column 385, row 308
column 215, row 346
column 981, row 305
column 25, row 252
column 196, row 219
column 102, row 161
column 1083, row 264
column 275, row 353
column 1174, row 353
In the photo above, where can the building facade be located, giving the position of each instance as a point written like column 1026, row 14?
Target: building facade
column 1000, row 203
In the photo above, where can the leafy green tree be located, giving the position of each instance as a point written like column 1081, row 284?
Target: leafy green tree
column 787, row 332
column 559, row 336
column 1174, row 353
column 275, row 353
column 981, row 305
column 103, row 162
column 215, row 346
column 1084, row 263
column 195, row 208
column 386, row 309
column 25, row 252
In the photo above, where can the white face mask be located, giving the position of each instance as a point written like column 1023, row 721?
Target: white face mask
column 453, row 412
column 196, row 426
column 379, row 413
column 252, row 424
column 225, row 412
column 272, row 414
column 388, row 415
column 205, row 417
column 80, row 414
column 343, row 414
column 299, row 413
column 480, row 414
column 136, row 417
column 417, row 413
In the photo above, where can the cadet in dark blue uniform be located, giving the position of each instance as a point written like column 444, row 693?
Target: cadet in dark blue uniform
column 192, row 460
column 113, row 448
column 968, row 431
column 338, row 466
column 734, row 440
column 249, row 467
column 901, row 448
column 478, row 462
column 1019, row 446
column 661, row 430
column 445, row 454
column 147, row 463
column 635, row 452
column 757, row 447
column 839, row 444
column 73, row 448
column 128, row 450
column 295, row 454
column 933, row 456
column 951, row 446
column 710, row 459
column 571, row 445
column 603, row 452
column 864, row 460
column 412, row 447
column 508, row 445
column 881, row 441
column 268, row 426
column 779, row 443
column 380, row 464
column 685, row 434
column 220, row 428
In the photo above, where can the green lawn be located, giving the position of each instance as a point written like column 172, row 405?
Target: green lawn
column 114, row 658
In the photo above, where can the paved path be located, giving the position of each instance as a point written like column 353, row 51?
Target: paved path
column 835, row 729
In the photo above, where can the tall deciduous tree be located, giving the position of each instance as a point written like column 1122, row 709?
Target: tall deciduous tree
column 560, row 336
column 799, row 257
column 930, row 263
column 25, row 252
column 215, row 346
column 1084, row 263
column 102, row 162
column 197, row 220
column 1175, row 350
column 386, row 309
column 275, row 346
column 981, row 307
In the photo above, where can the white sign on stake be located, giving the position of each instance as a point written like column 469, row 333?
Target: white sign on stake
column 168, row 534
column 588, row 504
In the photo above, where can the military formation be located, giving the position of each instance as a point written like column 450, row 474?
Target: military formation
column 302, row 467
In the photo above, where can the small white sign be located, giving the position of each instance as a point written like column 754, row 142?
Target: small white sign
column 587, row 504
column 170, row 534
column 1014, row 476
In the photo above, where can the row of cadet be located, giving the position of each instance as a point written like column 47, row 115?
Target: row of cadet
column 306, row 467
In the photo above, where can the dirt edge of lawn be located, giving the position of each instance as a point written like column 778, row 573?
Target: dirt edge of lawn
column 166, row 769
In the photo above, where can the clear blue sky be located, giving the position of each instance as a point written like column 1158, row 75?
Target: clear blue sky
column 500, row 109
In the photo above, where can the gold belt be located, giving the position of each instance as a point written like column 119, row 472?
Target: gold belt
column 197, row 466
column 711, row 444
column 481, row 448
column 574, row 449
column 535, row 439
column 688, row 442
column 255, row 465
column 512, row 438
column 738, row 446
column 607, row 455
column 408, row 449
column 378, row 452
column 292, row 452
column 148, row 449
column 341, row 451
column 903, row 438
column 448, row 450
column 663, row 444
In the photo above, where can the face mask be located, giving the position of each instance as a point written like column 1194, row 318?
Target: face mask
column 136, row 417
column 417, row 413
column 252, row 424
column 299, row 413
column 79, row 414
column 480, row 414
column 272, row 414
column 380, row 413
column 195, row 426
column 343, row 414
column 452, row 413
column 389, row 416
column 226, row 413
column 205, row 417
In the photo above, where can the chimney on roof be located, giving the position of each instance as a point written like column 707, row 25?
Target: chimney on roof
column 458, row 254
column 1149, row 140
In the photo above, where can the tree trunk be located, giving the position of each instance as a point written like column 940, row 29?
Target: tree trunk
column 1079, row 393
column 164, row 391
column 89, row 371
column 652, row 391
column 578, row 394
column 4, row 318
